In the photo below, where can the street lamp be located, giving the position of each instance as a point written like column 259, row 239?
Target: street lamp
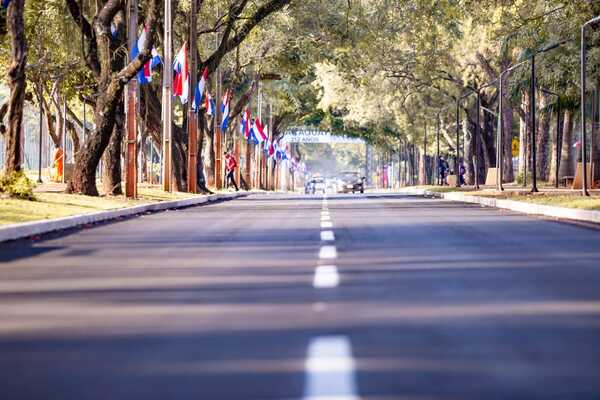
column 583, row 56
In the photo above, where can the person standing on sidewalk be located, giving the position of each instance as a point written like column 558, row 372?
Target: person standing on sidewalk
column 230, row 166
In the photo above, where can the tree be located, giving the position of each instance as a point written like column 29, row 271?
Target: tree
column 110, row 76
column 17, row 84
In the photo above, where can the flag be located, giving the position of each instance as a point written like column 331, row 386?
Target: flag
column 181, row 79
column 225, row 112
column 199, row 90
column 271, row 149
column 259, row 131
column 144, row 75
column 252, row 138
column 209, row 104
column 245, row 124
column 5, row 3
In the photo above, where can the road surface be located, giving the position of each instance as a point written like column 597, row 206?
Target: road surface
column 348, row 297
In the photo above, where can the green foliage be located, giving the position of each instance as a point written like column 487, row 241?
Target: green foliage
column 17, row 185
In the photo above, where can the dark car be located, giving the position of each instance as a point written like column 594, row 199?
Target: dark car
column 352, row 182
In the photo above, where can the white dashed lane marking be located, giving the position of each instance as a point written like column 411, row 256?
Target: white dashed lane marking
column 328, row 253
column 327, row 236
column 330, row 369
column 326, row 276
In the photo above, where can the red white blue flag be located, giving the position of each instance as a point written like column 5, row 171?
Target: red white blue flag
column 181, row 83
column 144, row 75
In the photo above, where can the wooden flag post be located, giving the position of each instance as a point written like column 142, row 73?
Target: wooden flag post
column 236, row 155
column 131, row 110
column 192, row 119
column 167, row 97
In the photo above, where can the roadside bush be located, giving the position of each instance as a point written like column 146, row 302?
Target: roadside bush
column 17, row 185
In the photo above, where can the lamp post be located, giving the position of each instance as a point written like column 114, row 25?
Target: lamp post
column 583, row 57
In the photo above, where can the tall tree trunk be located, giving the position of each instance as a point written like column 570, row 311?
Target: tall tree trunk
column 209, row 156
column 422, row 169
column 75, row 139
column 469, row 133
column 488, row 139
column 17, row 84
column 508, row 174
column 111, row 174
column 105, row 58
column 566, row 155
column 543, row 137
column 523, row 133
column 554, row 160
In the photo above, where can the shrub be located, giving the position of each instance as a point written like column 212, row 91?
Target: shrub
column 17, row 185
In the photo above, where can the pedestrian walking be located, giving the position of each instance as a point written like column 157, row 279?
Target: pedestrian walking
column 461, row 172
column 230, row 166
column 442, row 170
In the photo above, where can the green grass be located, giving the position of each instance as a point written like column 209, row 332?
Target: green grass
column 57, row 205
column 575, row 201
column 445, row 189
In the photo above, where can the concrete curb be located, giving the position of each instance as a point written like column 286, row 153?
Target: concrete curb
column 518, row 206
column 19, row 231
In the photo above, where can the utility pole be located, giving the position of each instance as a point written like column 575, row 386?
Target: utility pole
column 131, row 109
column 167, row 97
column 192, row 120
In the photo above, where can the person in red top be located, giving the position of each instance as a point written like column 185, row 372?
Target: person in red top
column 230, row 166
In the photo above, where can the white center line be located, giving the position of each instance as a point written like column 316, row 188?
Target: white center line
column 326, row 276
column 328, row 253
column 330, row 369
column 326, row 224
column 327, row 236
column 325, row 218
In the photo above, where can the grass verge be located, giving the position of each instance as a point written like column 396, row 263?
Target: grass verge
column 57, row 205
column 570, row 200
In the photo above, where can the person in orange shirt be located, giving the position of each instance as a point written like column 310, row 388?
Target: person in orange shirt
column 57, row 165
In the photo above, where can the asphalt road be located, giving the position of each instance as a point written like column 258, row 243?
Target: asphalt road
column 366, row 297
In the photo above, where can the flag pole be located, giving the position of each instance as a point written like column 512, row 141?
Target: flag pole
column 167, row 97
column 218, row 116
column 131, row 108
column 192, row 120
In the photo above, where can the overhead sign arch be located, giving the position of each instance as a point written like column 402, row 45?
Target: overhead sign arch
column 304, row 134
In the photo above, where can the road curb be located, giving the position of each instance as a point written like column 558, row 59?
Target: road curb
column 19, row 231
column 518, row 206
